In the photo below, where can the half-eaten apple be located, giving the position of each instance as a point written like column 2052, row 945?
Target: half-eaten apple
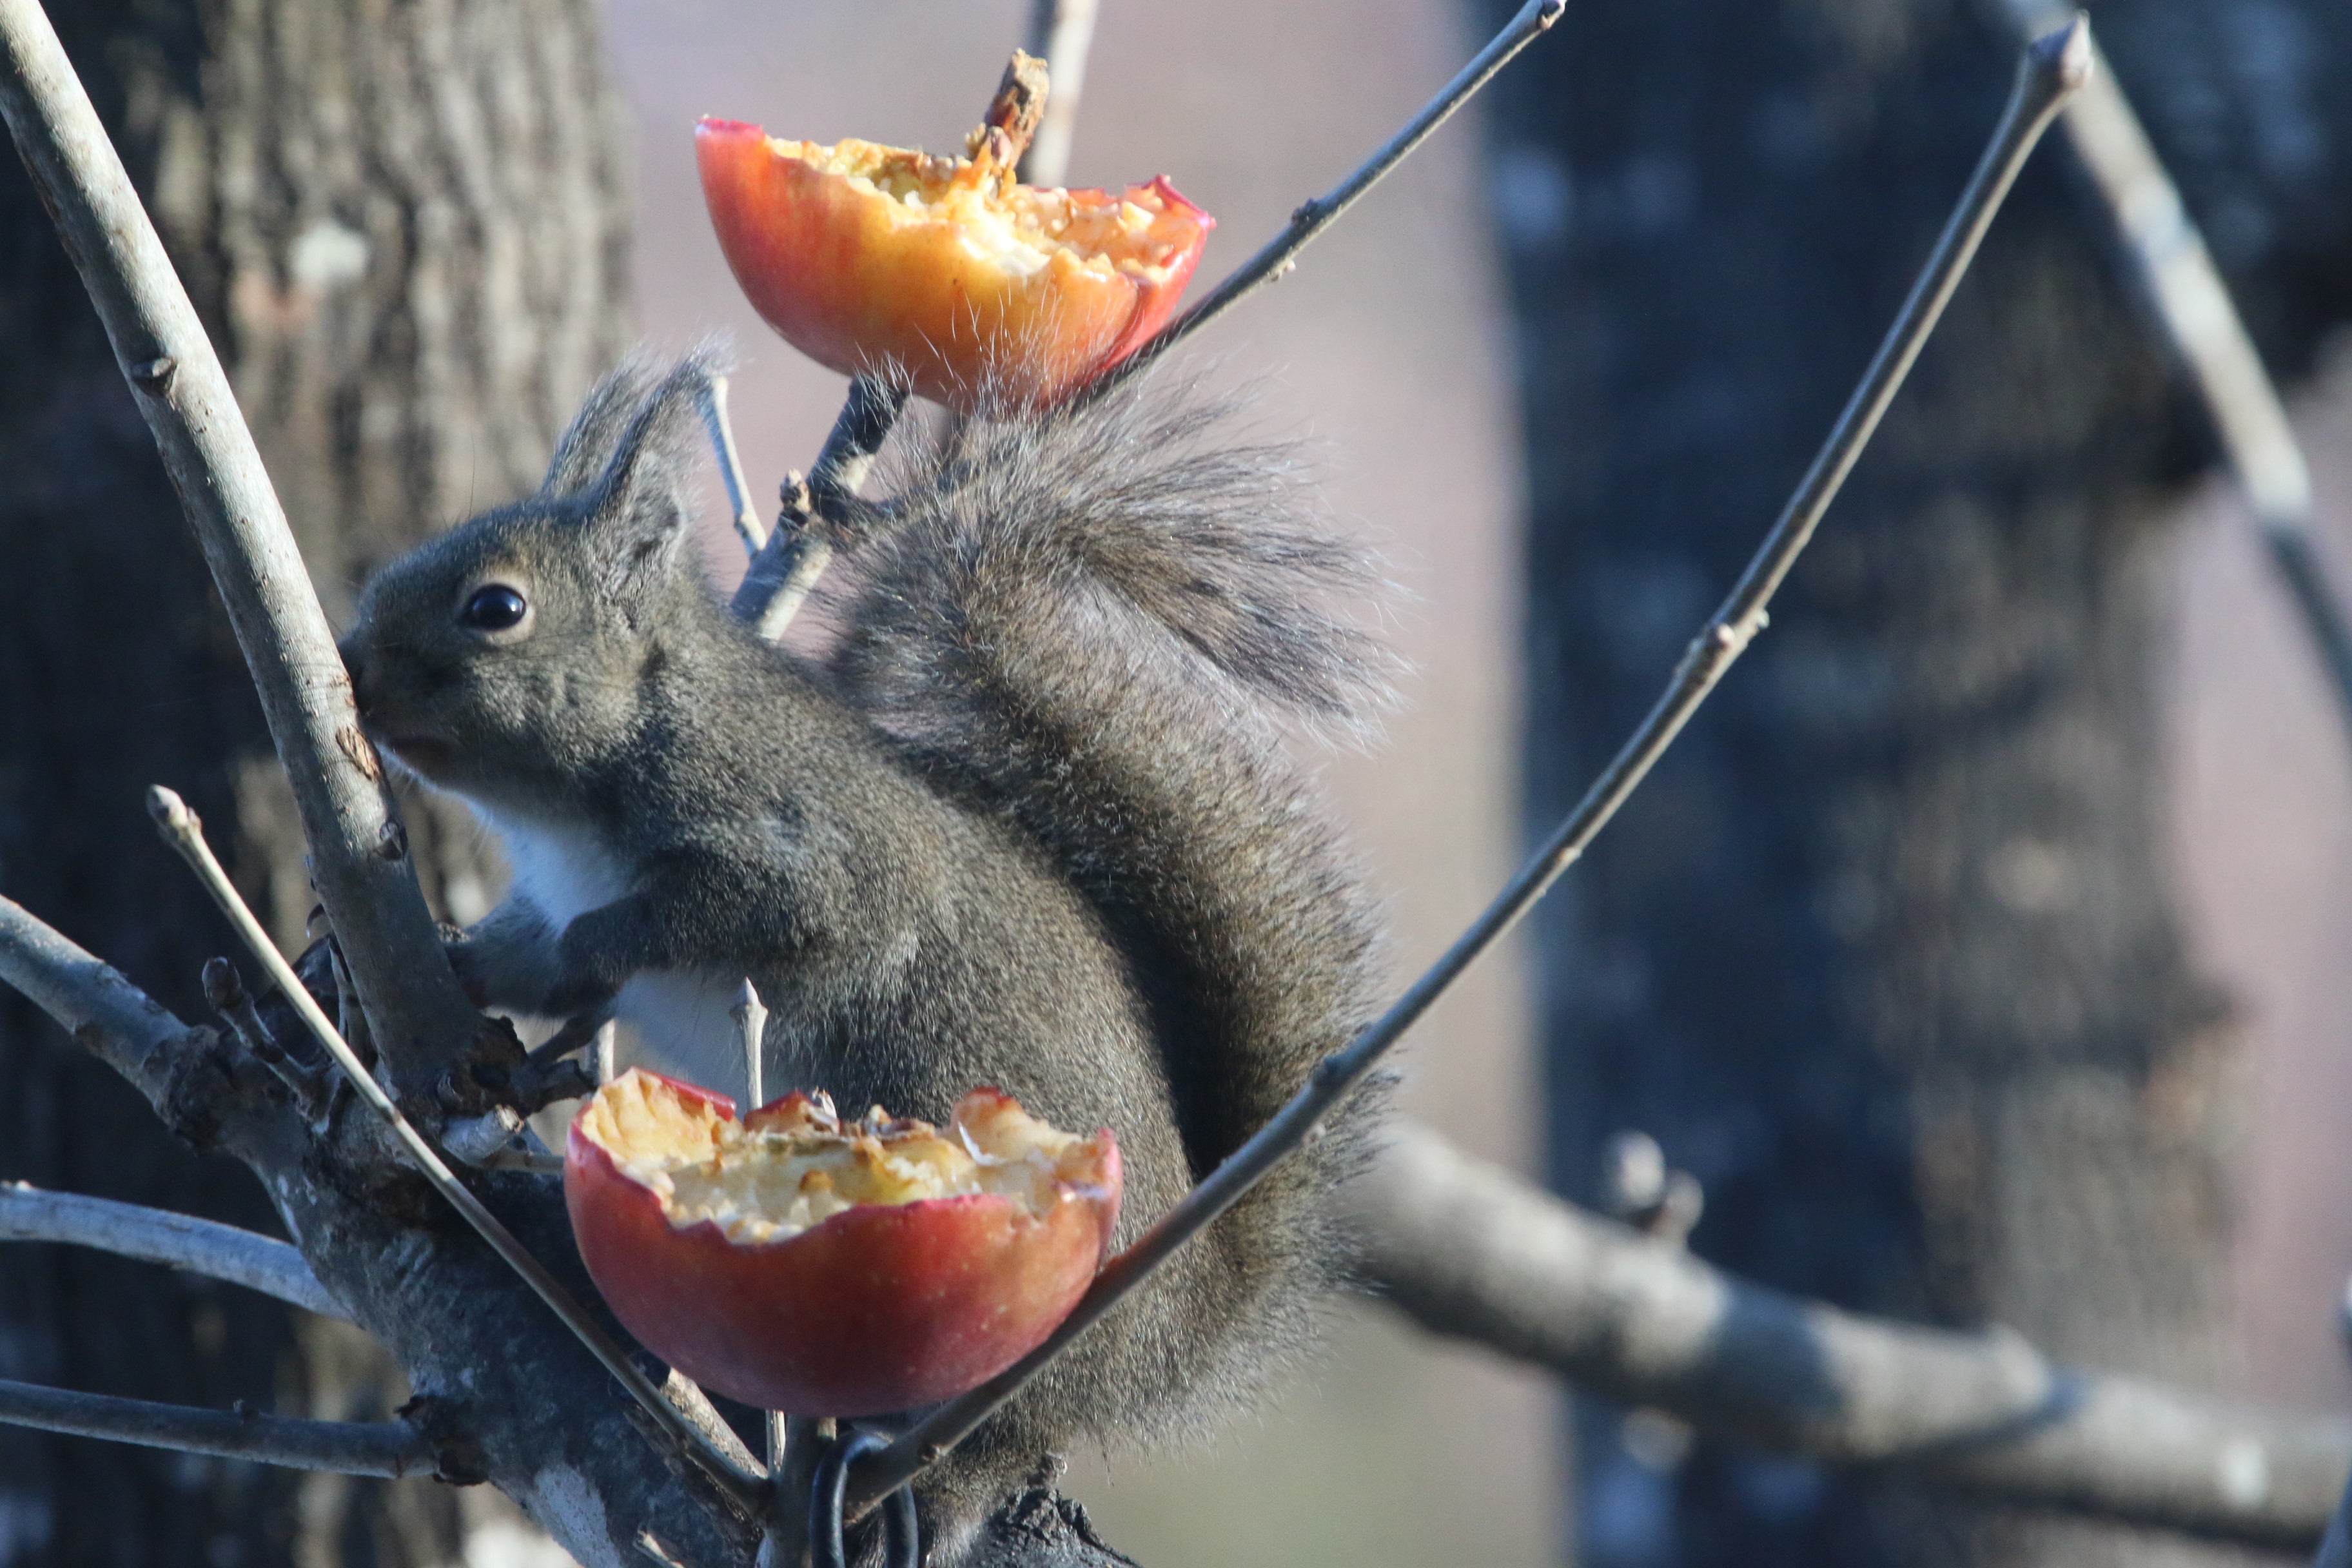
column 796, row 1261
column 944, row 271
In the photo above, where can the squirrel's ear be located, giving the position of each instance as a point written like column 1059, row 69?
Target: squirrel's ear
column 636, row 514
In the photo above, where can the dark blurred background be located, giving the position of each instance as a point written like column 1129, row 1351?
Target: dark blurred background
column 1981, row 949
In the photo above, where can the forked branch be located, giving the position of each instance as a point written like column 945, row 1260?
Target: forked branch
column 2051, row 70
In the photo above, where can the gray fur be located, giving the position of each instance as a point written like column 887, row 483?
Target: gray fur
column 1033, row 826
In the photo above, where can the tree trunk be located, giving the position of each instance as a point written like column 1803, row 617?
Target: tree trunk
column 405, row 222
column 1885, row 954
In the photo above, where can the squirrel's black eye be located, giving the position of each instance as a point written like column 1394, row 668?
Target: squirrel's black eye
column 496, row 608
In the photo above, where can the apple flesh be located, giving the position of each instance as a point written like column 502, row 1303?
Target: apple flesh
column 943, row 271
column 794, row 1261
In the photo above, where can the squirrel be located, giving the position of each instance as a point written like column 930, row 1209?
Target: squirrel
column 1029, row 822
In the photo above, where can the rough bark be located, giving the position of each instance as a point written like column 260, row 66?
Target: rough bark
column 405, row 227
column 1885, row 954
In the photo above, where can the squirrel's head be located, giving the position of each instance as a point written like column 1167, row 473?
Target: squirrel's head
column 511, row 653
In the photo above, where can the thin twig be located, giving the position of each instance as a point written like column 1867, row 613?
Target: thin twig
column 1280, row 254
column 185, row 833
column 795, row 555
column 1061, row 32
column 2185, row 292
column 750, row 1017
column 387, row 1448
column 2050, row 71
column 358, row 854
column 1470, row 1250
column 175, row 1240
column 309, row 1083
column 747, row 526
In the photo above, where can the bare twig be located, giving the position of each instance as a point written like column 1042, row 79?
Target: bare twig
column 388, row 1448
column 2184, row 290
column 185, row 833
column 747, row 526
column 797, row 553
column 1061, row 32
column 175, row 1240
column 225, row 990
column 750, row 1017
column 2049, row 72
column 1470, row 1250
column 358, row 854
column 1280, row 254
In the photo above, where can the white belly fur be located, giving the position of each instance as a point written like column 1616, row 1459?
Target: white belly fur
column 680, row 1017
column 684, row 1027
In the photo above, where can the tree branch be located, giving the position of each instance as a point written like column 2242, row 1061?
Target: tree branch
column 175, row 1240
column 747, row 526
column 786, row 567
column 1469, row 1250
column 387, row 1448
column 111, row 1019
column 359, row 853
column 2047, row 74
column 2184, row 291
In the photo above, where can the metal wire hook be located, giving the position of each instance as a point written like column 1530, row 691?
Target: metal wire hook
column 901, row 1533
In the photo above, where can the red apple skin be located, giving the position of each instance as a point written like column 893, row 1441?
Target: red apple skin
column 830, row 269
column 878, row 1309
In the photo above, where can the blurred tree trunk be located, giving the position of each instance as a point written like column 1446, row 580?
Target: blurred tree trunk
column 405, row 222
column 1885, row 954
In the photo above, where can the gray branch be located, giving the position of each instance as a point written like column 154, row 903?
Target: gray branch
column 90, row 1000
column 359, row 854
column 2183, row 290
column 175, row 1240
column 389, row 1448
column 1472, row 1251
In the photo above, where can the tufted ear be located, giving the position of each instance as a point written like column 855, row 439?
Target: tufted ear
column 588, row 443
column 635, row 515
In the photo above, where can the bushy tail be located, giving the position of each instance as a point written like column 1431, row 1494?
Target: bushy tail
column 1102, row 622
